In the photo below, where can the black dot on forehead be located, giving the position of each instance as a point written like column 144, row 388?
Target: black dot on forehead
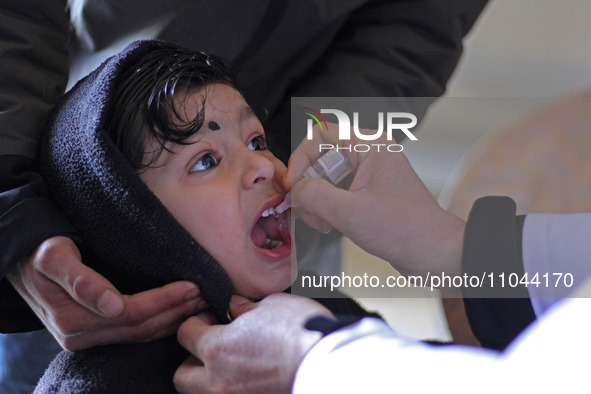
column 213, row 126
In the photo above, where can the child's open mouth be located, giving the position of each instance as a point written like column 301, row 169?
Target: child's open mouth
column 271, row 232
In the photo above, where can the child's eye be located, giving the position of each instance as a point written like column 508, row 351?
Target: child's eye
column 258, row 143
column 205, row 162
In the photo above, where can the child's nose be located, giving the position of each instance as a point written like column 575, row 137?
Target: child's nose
column 258, row 169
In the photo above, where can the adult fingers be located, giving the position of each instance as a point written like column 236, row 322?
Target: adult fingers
column 153, row 313
column 159, row 326
column 240, row 305
column 308, row 151
column 96, row 293
column 193, row 333
column 189, row 376
column 142, row 306
column 59, row 260
column 322, row 205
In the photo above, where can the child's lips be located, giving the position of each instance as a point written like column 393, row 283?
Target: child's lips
column 271, row 234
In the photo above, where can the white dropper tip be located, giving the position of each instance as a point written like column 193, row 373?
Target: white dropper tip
column 284, row 205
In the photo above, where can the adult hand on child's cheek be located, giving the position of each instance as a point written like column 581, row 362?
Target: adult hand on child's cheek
column 82, row 309
column 258, row 352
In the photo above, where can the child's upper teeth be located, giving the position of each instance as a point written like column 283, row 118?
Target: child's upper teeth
column 267, row 212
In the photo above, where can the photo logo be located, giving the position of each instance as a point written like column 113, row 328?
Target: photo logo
column 403, row 121
column 315, row 116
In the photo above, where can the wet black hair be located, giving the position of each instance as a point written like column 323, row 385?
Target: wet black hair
column 143, row 100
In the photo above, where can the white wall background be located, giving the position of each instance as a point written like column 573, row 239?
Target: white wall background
column 517, row 49
column 527, row 48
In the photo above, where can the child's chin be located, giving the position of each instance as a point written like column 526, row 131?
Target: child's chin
column 278, row 287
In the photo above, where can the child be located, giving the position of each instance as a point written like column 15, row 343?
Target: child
column 155, row 150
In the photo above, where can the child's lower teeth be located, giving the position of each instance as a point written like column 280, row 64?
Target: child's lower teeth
column 273, row 244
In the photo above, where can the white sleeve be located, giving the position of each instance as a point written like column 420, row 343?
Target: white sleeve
column 556, row 248
column 369, row 357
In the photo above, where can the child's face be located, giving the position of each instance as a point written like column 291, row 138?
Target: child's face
column 218, row 186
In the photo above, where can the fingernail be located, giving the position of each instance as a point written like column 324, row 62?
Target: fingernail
column 202, row 305
column 193, row 293
column 238, row 300
column 110, row 303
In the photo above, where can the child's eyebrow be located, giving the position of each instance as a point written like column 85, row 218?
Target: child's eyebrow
column 246, row 113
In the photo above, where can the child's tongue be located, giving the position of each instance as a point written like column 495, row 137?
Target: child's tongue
column 270, row 232
column 258, row 235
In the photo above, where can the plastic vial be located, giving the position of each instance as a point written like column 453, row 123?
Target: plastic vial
column 332, row 166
